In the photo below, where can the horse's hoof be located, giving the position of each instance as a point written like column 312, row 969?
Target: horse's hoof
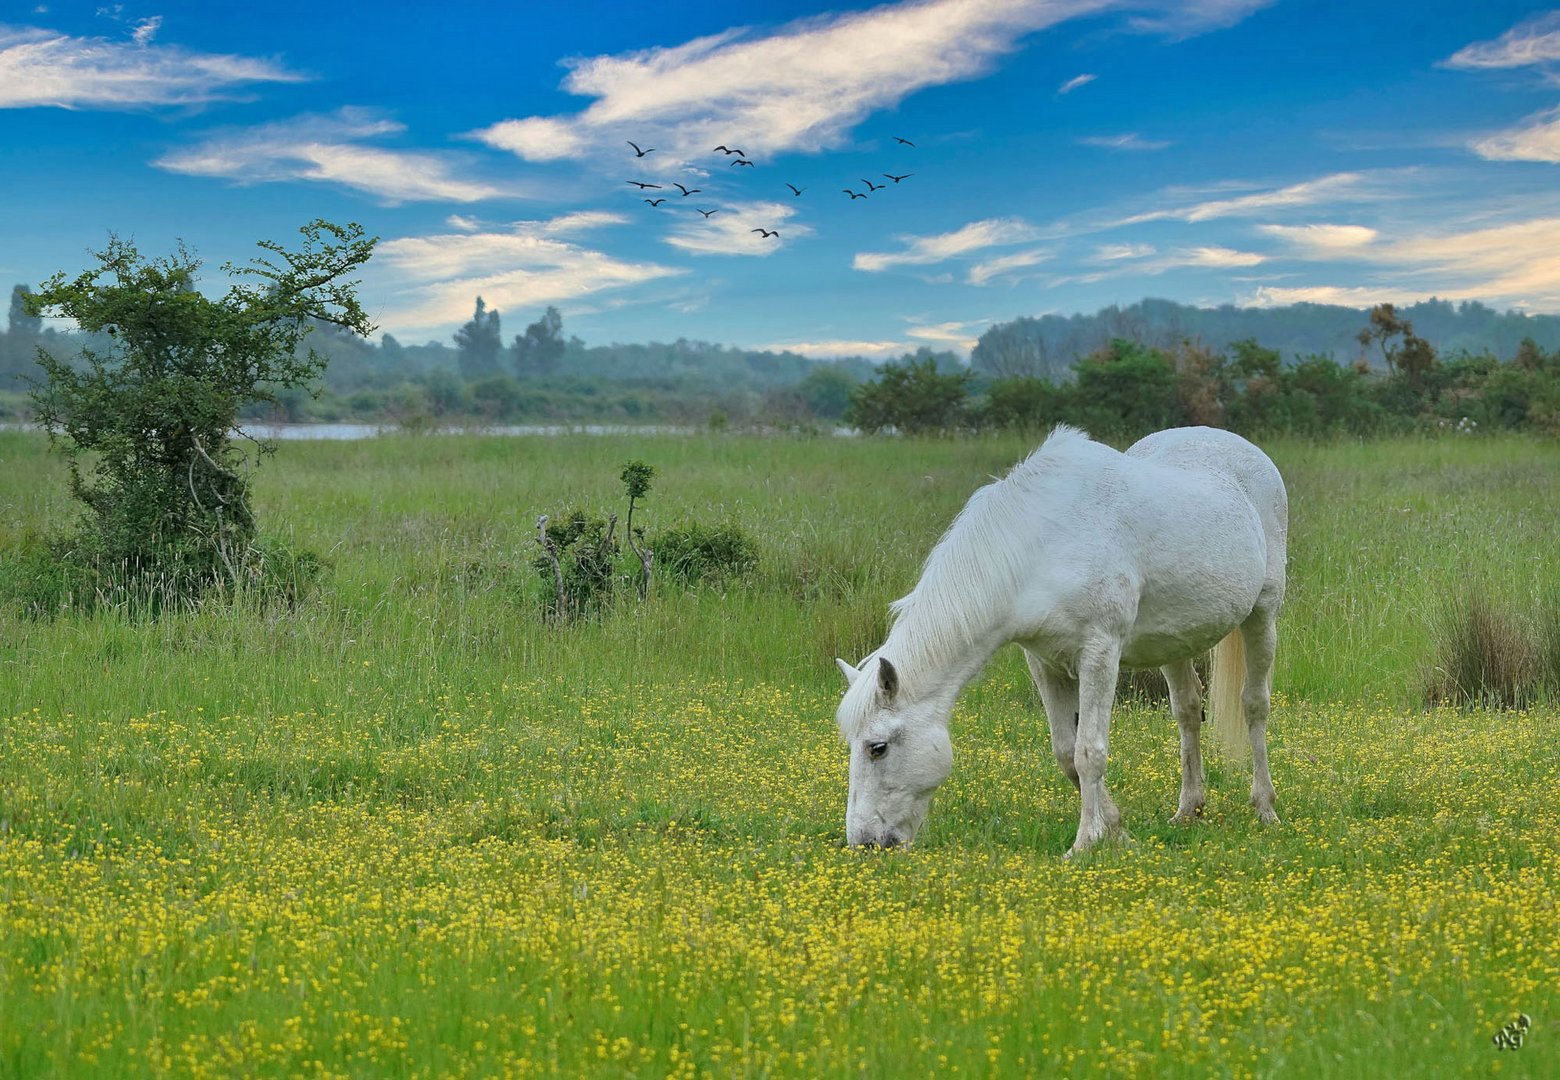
column 1267, row 817
column 1194, row 818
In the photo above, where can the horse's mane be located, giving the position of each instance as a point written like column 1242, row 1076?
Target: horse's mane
column 979, row 561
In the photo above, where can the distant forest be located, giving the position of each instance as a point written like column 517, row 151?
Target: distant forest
column 543, row 374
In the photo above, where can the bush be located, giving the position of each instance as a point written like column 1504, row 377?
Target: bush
column 1492, row 657
column 912, row 397
column 697, row 552
column 583, row 555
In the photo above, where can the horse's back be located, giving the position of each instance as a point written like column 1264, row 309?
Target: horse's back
column 1225, row 454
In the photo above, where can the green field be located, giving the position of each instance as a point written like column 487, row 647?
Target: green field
column 406, row 829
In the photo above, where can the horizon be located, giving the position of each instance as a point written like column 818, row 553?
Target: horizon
column 1054, row 158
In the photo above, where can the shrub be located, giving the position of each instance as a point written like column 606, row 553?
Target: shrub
column 1493, row 657
column 912, row 397
column 578, row 563
column 698, row 552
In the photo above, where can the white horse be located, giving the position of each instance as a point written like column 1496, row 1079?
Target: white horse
column 1089, row 559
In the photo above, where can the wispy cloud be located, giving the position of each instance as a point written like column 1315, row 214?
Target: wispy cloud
column 1130, row 141
column 1073, row 83
column 330, row 149
column 1119, row 252
column 146, row 30
column 1322, row 239
column 1355, row 296
column 925, row 250
column 1195, row 16
column 1538, row 139
column 1496, row 264
column 1305, row 193
column 524, row 267
column 44, row 68
column 729, row 231
column 960, row 335
column 1533, row 41
column 804, row 86
column 1005, row 266
column 829, row 349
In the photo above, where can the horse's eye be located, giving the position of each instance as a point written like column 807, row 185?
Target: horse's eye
column 876, row 750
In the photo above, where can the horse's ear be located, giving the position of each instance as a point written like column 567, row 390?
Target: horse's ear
column 888, row 678
column 851, row 674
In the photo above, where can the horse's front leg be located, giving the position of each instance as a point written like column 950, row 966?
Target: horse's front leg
column 1098, row 665
column 1186, row 702
column 1059, row 695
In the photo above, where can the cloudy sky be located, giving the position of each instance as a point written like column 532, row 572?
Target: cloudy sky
column 1053, row 155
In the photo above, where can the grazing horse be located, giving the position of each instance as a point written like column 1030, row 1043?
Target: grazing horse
column 1090, row 559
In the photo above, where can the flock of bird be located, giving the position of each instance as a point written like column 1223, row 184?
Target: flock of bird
column 742, row 161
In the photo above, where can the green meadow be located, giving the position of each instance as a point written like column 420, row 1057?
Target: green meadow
column 405, row 828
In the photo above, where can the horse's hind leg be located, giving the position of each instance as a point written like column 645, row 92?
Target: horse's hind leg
column 1059, row 695
column 1260, row 635
column 1186, row 702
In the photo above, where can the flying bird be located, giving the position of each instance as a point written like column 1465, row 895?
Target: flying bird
column 686, row 191
column 641, row 185
column 896, row 179
column 765, row 233
column 852, row 194
column 794, row 189
column 728, row 150
column 638, row 152
column 742, row 161
column 707, row 213
column 873, row 187
column 655, row 202
column 907, row 142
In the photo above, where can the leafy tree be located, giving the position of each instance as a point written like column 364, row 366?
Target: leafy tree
column 478, row 345
column 1026, row 404
column 541, row 347
column 146, row 419
column 1413, row 356
column 1127, row 390
column 911, row 397
column 825, row 391
column 24, row 320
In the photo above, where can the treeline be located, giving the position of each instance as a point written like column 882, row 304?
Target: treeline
column 1311, row 372
column 1048, row 346
column 1127, row 389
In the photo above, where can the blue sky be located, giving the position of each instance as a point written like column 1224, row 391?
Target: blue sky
column 1068, row 154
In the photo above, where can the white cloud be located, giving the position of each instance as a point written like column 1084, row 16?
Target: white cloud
column 729, row 231
column 1322, row 239
column 1305, row 193
column 983, row 273
column 804, row 86
column 1533, row 41
column 1073, row 83
column 1117, row 252
column 45, row 68
column 1217, row 257
column 1537, row 140
column 1504, row 264
column 923, row 250
column 1195, row 16
column 1354, row 296
column 1130, row 141
column 960, row 335
column 832, row 349
column 146, row 30
column 329, row 149
column 435, row 279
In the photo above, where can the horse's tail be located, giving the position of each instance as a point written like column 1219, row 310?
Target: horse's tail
column 1226, row 681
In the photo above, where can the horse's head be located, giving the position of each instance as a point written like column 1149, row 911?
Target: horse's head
column 899, row 754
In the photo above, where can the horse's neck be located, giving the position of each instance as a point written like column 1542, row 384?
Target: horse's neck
column 937, row 665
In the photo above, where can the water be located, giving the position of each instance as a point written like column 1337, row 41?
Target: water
column 352, row 432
